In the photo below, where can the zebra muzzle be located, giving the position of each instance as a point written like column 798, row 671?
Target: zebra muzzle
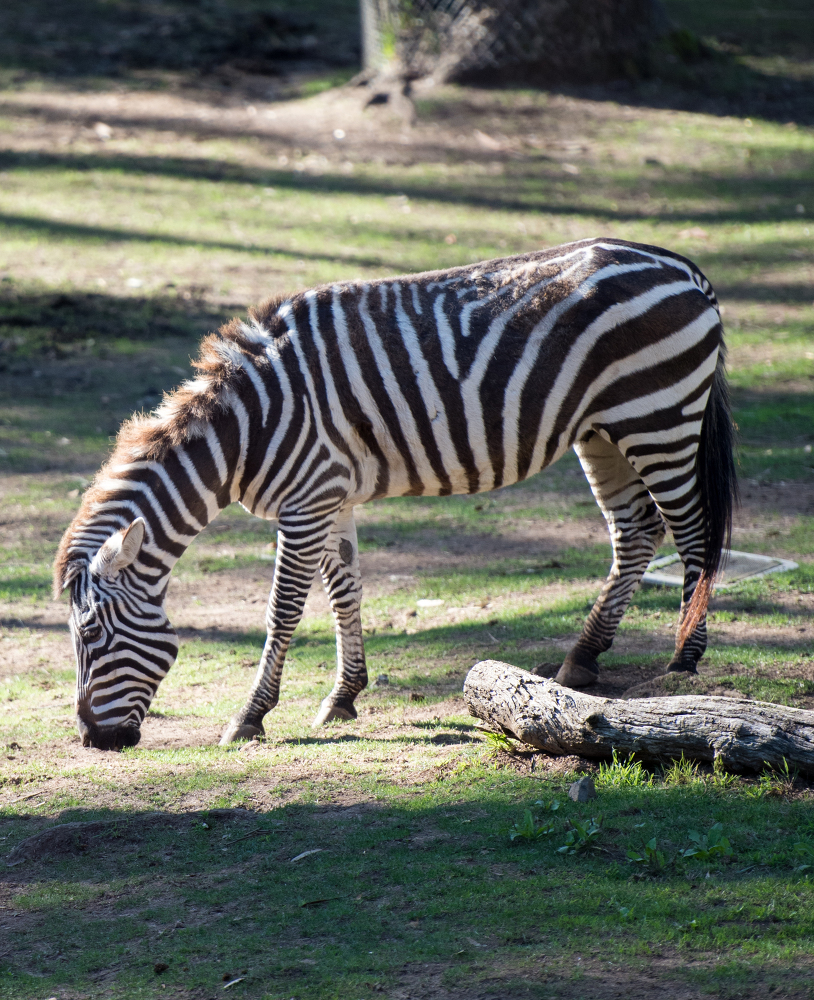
column 106, row 737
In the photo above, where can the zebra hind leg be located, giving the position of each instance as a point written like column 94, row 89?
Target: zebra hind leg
column 636, row 529
column 343, row 584
column 688, row 536
column 684, row 515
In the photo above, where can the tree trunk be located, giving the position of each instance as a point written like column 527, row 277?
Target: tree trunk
column 745, row 735
column 495, row 41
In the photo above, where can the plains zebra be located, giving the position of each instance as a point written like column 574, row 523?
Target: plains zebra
column 453, row 381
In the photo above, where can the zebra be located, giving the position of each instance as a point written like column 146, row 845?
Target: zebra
column 445, row 382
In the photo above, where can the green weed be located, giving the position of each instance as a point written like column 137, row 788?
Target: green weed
column 708, row 846
column 627, row 773
column 720, row 778
column 681, row 771
column 778, row 782
column 649, row 857
column 498, row 743
column 583, row 834
column 528, row 829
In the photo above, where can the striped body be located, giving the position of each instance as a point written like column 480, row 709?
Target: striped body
column 449, row 382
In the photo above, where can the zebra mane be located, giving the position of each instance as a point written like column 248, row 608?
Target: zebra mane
column 183, row 415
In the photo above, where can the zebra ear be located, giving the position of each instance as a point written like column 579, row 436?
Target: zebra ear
column 119, row 551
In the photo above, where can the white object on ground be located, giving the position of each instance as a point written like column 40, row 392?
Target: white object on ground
column 315, row 850
column 737, row 566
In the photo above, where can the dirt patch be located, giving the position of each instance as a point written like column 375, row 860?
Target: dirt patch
column 584, row 979
column 66, row 839
column 761, row 498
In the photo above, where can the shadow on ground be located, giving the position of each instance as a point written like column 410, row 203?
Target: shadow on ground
column 404, row 898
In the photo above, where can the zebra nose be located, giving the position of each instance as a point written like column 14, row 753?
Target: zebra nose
column 105, row 737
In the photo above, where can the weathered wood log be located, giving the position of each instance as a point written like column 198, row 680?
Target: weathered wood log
column 745, row 735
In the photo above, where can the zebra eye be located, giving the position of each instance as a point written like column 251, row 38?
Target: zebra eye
column 90, row 631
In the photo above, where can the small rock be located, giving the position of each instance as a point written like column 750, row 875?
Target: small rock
column 382, row 680
column 160, row 967
column 582, row 790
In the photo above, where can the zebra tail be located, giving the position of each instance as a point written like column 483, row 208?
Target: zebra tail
column 718, row 485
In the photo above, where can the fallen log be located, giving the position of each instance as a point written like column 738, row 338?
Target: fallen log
column 743, row 735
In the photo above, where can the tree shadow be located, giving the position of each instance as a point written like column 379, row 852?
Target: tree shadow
column 56, row 231
column 532, row 182
column 116, row 41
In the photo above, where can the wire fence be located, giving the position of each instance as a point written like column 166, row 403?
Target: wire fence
column 540, row 40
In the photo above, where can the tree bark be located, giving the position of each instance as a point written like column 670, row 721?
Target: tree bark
column 494, row 41
column 744, row 735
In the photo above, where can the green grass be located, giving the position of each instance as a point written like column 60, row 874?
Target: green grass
column 429, row 875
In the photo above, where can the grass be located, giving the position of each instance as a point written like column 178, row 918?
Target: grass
column 116, row 256
column 430, row 875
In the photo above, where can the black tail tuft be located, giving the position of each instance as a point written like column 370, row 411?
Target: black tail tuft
column 715, row 469
column 718, row 484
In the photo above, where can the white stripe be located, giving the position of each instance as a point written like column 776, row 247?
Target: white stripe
column 286, row 416
column 217, row 452
column 248, row 366
column 207, row 495
column 242, row 415
column 445, row 336
column 431, row 398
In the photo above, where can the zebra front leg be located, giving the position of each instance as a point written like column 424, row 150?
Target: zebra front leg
column 636, row 529
column 343, row 584
column 298, row 555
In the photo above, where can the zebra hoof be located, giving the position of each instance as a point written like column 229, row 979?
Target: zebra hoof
column 334, row 710
column 679, row 666
column 579, row 670
column 242, row 731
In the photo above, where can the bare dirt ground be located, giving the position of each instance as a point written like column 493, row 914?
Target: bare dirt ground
column 382, row 132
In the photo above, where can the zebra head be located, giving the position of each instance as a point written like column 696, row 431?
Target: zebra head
column 123, row 641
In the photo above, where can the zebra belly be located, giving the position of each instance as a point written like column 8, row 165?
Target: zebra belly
column 458, row 480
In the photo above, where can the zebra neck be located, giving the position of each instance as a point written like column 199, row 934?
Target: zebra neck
column 172, row 496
